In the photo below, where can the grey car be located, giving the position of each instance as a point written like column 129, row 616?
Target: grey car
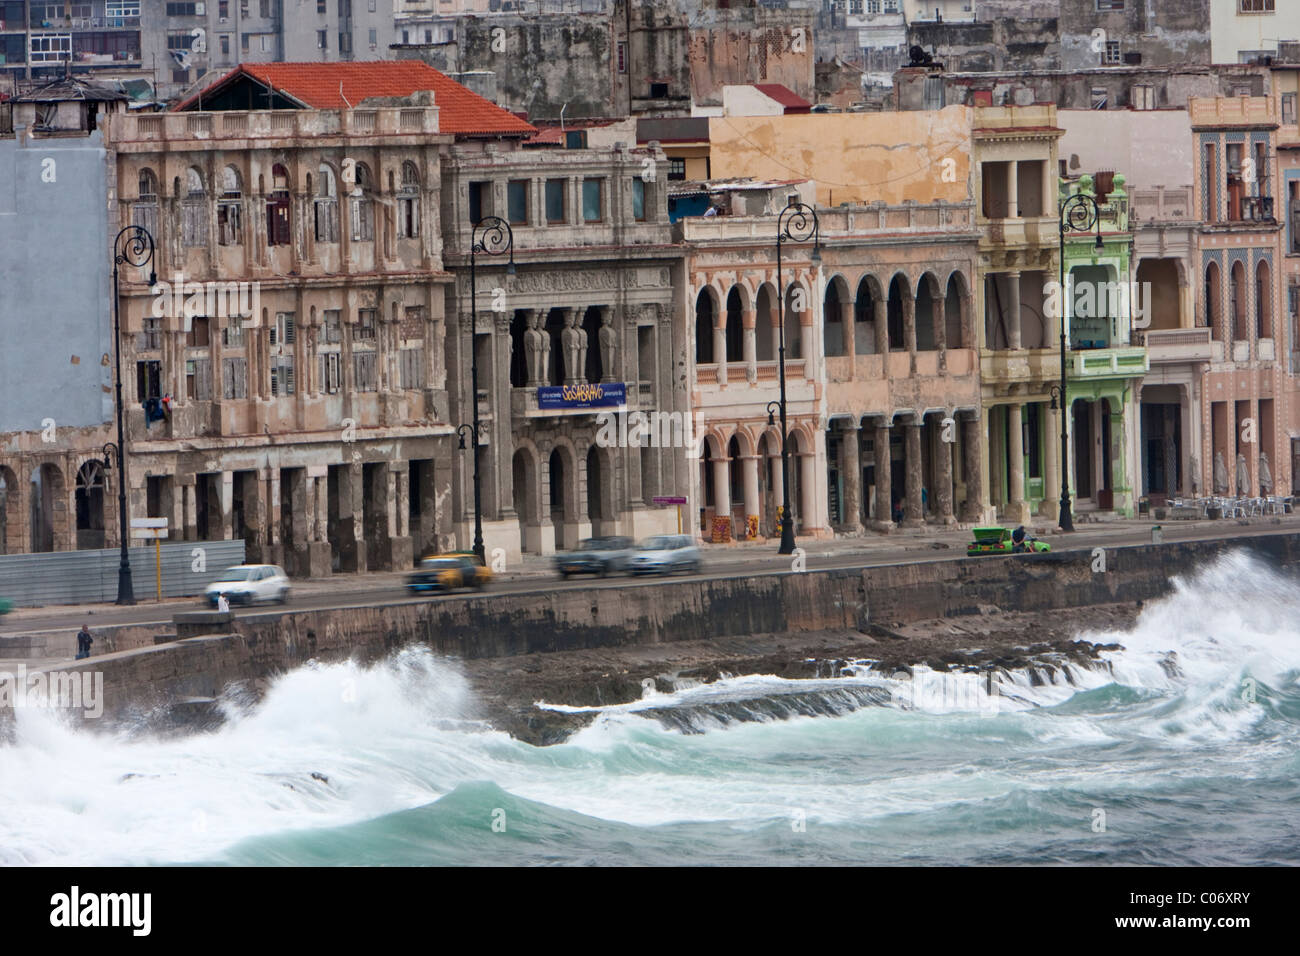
column 664, row 554
column 596, row 556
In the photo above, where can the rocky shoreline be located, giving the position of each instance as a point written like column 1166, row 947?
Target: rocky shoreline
column 509, row 688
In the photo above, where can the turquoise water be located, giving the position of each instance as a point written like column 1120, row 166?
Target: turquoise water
column 1180, row 749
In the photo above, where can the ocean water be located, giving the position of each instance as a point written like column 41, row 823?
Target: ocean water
column 1183, row 748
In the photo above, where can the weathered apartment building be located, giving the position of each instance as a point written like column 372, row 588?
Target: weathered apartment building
column 296, row 377
column 617, row 58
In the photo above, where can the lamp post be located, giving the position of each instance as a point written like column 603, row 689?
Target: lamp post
column 1078, row 213
column 133, row 246
column 796, row 223
column 491, row 235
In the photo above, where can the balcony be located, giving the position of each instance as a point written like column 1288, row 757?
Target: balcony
column 272, row 124
column 1222, row 112
column 1167, row 346
column 1006, row 367
column 1162, row 204
column 1121, row 362
column 1257, row 209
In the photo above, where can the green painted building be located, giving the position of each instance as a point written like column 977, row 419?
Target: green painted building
column 1103, row 368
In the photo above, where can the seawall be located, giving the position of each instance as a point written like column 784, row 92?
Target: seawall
column 141, row 676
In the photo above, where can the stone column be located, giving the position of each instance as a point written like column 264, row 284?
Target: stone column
column 191, row 510
column 884, row 478
column 909, row 323
column 806, row 513
column 749, row 320
column 398, row 551
column 972, row 431
column 943, row 492
column 914, row 515
column 938, row 308
column 720, row 355
column 721, row 496
column 271, row 521
column 1013, row 310
column 806, row 349
column 851, row 470
column 227, row 506
column 775, row 489
column 846, row 321
column 880, row 311
column 1017, row 510
column 752, row 505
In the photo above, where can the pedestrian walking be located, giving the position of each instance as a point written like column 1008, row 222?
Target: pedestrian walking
column 84, row 640
column 222, row 604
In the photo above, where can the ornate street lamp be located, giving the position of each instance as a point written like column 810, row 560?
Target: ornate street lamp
column 493, row 236
column 1078, row 213
column 797, row 223
column 133, row 246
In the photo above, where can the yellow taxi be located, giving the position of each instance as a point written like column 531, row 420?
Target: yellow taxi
column 446, row 572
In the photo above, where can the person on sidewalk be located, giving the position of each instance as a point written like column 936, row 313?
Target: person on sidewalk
column 84, row 640
column 222, row 604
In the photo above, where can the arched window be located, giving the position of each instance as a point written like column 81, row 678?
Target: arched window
column 408, row 203
column 278, row 232
column 230, row 204
column 1263, row 302
column 194, row 210
column 362, row 212
column 326, row 206
column 144, row 211
column 1212, row 301
column 1237, row 295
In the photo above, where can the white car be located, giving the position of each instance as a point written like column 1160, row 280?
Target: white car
column 248, row 583
column 665, row 554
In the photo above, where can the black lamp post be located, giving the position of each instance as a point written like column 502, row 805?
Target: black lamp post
column 491, row 235
column 133, row 246
column 1079, row 213
column 797, row 223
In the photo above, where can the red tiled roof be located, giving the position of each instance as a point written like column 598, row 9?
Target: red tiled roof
column 333, row 86
column 785, row 96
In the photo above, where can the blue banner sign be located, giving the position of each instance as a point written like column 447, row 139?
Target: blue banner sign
column 600, row 395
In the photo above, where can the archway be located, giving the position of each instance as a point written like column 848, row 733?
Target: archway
column 864, row 317
column 562, row 498
column 47, row 507
column 836, row 332
column 894, row 314
column 90, row 505
column 926, row 294
column 765, row 325
column 735, row 332
column 9, row 512
column 527, row 499
column 954, row 312
column 704, row 323
column 1263, row 301
column 1213, row 296
column 1237, row 296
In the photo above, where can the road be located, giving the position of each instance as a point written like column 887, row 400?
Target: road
column 720, row 562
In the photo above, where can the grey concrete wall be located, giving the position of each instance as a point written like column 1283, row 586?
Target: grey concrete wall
column 148, row 676
column 55, row 264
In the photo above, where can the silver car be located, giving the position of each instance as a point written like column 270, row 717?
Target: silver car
column 248, row 583
column 664, row 554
